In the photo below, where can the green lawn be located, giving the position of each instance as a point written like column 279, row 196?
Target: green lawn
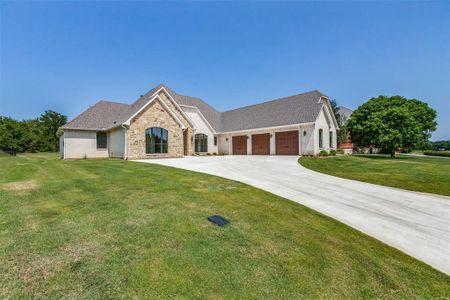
column 111, row 228
column 423, row 174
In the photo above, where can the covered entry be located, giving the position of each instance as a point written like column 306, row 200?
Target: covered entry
column 240, row 145
column 286, row 143
column 261, row 144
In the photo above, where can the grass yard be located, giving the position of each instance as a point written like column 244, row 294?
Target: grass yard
column 422, row 174
column 113, row 229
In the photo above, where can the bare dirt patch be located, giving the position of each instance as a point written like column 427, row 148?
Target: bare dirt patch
column 20, row 185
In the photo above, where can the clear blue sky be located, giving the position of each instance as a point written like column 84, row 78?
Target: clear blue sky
column 66, row 56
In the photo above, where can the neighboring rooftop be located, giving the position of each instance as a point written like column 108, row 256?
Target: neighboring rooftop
column 345, row 113
column 301, row 108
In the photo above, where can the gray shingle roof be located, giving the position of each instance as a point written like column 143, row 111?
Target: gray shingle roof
column 212, row 115
column 301, row 108
column 100, row 116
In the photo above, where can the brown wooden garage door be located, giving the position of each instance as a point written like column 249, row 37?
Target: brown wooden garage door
column 240, row 145
column 286, row 143
column 261, row 144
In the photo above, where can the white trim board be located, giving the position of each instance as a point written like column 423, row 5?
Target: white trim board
column 157, row 97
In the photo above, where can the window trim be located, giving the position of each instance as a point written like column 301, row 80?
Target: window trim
column 163, row 146
column 97, row 140
column 201, row 137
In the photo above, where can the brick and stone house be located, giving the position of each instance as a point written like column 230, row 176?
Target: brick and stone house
column 163, row 123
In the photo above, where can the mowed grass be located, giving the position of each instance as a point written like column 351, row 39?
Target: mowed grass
column 112, row 229
column 422, row 174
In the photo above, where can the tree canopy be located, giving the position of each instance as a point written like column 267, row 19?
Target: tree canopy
column 33, row 135
column 391, row 123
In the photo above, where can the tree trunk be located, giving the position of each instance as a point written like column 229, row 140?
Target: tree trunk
column 393, row 152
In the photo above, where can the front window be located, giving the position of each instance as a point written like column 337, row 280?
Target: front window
column 201, row 142
column 156, row 140
column 320, row 138
column 102, row 140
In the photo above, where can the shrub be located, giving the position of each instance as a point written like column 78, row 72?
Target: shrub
column 340, row 151
column 323, row 153
column 332, row 152
column 437, row 153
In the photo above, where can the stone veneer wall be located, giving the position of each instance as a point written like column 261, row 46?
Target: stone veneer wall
column 179, row 114
column 156, row 115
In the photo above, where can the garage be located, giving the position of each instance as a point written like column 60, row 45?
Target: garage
column 261, row 144
column 240, row 145
column 286, row 143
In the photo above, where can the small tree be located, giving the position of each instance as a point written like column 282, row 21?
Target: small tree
column 392, row 122
column 336, row 113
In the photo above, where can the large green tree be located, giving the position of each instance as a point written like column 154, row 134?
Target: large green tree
column 50, row 121
column 392, row 122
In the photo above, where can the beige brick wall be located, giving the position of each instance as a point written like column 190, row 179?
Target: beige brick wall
column 156, row 115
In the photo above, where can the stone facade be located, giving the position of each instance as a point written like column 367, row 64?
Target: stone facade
column 156, row 115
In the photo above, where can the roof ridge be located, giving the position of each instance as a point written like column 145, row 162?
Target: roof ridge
column 273, row 100
column 113, row 102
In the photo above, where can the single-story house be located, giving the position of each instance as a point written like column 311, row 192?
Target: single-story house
column 163, row 123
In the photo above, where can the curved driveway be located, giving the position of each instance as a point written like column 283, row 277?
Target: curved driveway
column 416, row 223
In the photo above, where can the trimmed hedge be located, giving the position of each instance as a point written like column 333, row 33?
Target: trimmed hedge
column 437, row 153
column 323, row 153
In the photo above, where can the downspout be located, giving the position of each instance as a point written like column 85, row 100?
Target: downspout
column 125, row 152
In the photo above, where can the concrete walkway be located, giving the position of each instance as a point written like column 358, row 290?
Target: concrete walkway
column 415, row 223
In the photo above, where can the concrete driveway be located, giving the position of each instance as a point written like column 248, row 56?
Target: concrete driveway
column 416, row 223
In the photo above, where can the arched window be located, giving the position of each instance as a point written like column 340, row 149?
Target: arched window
column 201, row 142
column 156, row 140
column 320, row 138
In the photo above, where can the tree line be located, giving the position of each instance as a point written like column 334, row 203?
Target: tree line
column 35, row 135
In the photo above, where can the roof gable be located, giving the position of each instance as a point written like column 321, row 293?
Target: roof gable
column 148, row 98
column 168, row 109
